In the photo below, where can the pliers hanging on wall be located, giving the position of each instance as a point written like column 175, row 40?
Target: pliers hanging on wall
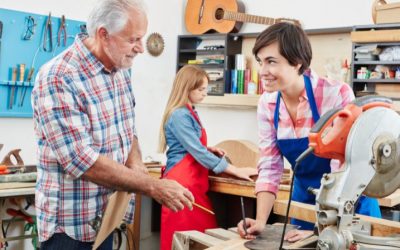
column 60, row 31
column 48, row 33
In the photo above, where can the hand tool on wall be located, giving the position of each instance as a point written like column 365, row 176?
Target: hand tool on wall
column 12, row 88
column 28, row 81
column 60, row 31
column 48, row 33
column 30, row 28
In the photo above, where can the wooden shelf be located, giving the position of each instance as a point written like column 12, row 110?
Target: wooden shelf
column 231, row 100
column 377, row 62
column 377, row 80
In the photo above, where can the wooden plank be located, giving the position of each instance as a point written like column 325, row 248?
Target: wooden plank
column 222, row 234
column 112, row 218
column 232, row 186
column 235, row 244
column 241, row 153
column 12, row 185
column 391, row 200
column 193, row 240
column 298, row 210
column 231, row 100
column 306, row 212
column 371, row 36
column 303, row 243
column 134, row 240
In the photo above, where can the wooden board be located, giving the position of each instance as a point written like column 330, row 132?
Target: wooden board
column 112, row 218
column 391, row 200
column 306, row 212
column 13, row 185
column 241, row 153
column 375, row 36
column 222, row 239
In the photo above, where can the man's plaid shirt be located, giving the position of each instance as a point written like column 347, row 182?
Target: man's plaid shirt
column 81, row 111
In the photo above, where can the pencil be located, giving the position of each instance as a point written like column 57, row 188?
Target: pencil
column 243, row 215
column 202, row 208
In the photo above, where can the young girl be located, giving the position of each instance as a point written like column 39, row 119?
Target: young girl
column 294, row 99
column 188, row 157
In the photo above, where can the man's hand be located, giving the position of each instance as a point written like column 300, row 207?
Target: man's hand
column 139, row 167
column 172, row 195
column 295, row 235
column 217, row 151
column 254, row 228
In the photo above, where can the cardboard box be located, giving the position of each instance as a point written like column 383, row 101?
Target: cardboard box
column 386, row 12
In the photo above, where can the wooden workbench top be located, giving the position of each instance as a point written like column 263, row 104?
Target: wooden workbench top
column 246, row 188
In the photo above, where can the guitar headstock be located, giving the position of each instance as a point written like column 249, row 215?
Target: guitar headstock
column 288, row 20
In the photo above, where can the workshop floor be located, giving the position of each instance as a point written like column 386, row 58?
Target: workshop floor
column 150, row 243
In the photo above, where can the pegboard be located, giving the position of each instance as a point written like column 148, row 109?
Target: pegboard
column 15, row 96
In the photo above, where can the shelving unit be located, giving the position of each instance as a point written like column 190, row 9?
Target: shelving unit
column 190, row 46
column 242, row 43
column 382, row 36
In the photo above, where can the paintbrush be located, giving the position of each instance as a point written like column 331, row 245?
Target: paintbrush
column 203, row 208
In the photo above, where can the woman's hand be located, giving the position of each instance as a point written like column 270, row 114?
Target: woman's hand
column 217, row 151
column 242, row 173
column 245, row 173
column 253, row 228
column 295, row 235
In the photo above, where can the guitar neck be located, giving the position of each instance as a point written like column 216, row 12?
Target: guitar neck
column 246, row 18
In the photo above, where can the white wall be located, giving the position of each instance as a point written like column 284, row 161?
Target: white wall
column 153, row 76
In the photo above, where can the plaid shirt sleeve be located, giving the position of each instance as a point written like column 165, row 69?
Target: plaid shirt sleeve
column 270, row 165
column 64, row 126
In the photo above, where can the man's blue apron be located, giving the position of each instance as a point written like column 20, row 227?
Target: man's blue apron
column 310, row 170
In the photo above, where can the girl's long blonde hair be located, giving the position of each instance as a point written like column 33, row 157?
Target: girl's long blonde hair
column 188, row 78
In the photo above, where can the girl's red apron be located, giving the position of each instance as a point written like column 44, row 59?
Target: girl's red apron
column 192, row 175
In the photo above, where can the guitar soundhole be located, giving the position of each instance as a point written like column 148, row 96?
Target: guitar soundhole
column 219, row 14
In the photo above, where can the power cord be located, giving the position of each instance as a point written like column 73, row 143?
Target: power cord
column 308, row 151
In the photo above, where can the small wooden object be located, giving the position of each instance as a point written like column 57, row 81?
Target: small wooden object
column 383, row 12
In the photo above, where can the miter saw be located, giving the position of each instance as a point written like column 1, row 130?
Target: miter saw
column 364, row 136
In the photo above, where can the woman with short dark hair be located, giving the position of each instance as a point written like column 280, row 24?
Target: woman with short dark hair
column 294, row 99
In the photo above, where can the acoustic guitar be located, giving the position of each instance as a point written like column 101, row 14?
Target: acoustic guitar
column 223, row 16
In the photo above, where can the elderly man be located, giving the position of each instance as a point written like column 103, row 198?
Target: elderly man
column 85, row 126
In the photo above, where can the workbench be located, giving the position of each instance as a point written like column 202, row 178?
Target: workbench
column 12, row 190
column 246, row 188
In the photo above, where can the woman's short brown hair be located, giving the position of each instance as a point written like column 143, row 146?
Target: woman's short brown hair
column 292, row 41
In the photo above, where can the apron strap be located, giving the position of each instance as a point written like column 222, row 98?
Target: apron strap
column 311, row 99
column 196, row 117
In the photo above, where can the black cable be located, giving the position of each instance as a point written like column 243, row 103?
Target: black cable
column 298, row 160
column 127, row 240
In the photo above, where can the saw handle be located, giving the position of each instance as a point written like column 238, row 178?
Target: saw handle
column 323, row 120
column 329, row 139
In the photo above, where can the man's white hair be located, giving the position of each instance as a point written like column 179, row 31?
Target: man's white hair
column 112, row 15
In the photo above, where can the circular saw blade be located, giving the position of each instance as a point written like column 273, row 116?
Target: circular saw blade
column 373, row 127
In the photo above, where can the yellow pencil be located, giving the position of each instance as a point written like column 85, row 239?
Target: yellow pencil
column 203, row 208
